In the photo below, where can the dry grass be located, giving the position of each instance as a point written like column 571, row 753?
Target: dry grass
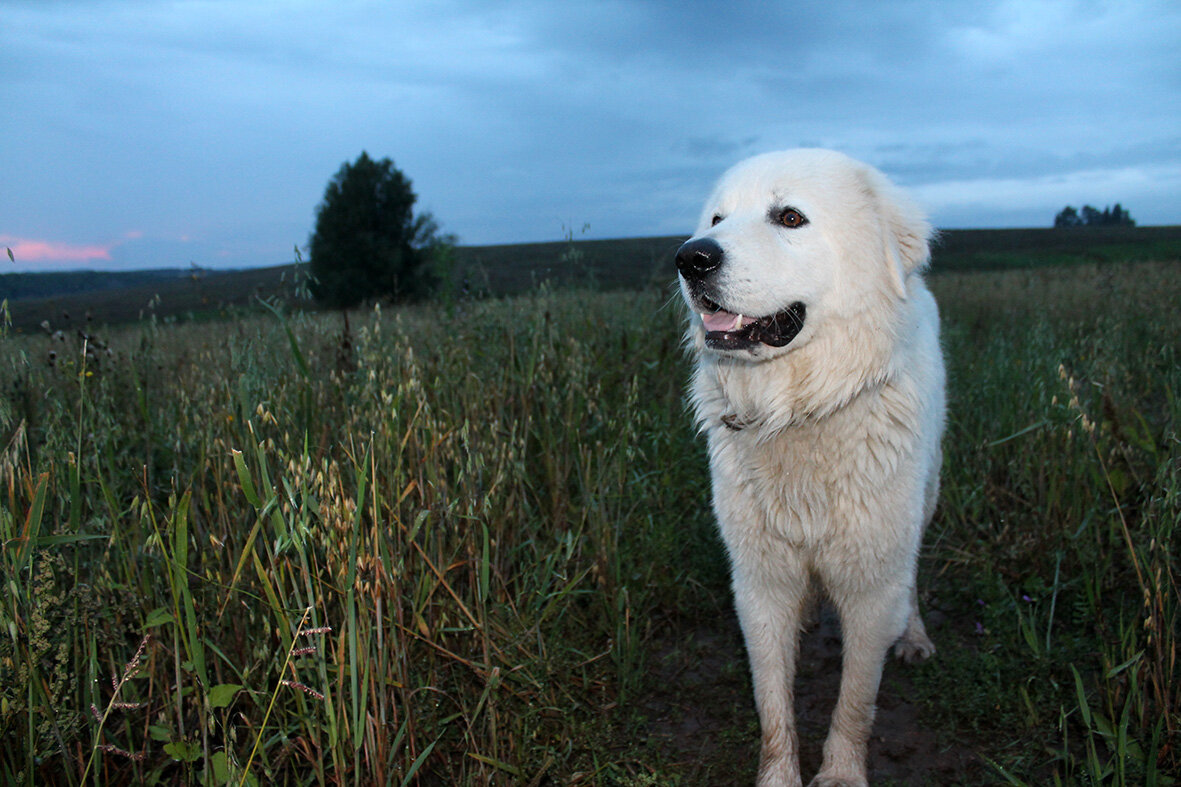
column 431, row 549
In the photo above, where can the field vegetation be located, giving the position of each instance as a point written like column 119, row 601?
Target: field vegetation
column 462, row 542
column 69, row 301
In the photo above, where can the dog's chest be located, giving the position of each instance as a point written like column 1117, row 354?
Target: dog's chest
column 812, row 481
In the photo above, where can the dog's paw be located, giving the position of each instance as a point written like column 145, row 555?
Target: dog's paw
column 836, row 781
column 781, row 773
column 914, row 646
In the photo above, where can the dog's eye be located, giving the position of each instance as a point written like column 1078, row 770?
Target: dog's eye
column 714, row 222
column 789, row 217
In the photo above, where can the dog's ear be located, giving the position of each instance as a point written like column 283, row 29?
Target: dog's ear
column 906, row 234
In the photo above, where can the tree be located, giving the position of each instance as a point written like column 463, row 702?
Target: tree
column 1121, row 217
column 1092, row 217
column 1068, row 218
column 368, row 243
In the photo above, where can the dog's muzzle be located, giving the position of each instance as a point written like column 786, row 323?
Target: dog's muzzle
column 697, row 259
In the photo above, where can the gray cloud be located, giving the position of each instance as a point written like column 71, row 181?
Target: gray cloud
column 212, row 127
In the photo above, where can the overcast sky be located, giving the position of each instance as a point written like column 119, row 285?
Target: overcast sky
column 150, row 133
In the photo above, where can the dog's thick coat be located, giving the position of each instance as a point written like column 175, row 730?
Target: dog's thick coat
column 819, row 384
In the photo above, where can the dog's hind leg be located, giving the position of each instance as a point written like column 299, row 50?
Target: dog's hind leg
column 770, row 609
column 914, row 645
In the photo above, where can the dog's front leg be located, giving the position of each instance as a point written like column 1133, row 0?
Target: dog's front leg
column 871, row 619
column 769, row 611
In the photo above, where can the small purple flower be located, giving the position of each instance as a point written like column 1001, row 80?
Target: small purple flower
column 979, row 628
column 1026, row 598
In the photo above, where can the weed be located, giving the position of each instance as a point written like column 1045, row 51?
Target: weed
column 499, row 512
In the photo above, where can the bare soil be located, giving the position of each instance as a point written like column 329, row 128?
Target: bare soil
column 701, row 714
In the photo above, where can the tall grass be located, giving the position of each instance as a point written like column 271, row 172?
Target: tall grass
column 1059, row 522
column 430, row 545
column 405, row 553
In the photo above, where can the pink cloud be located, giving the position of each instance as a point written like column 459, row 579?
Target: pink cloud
column 29, row 250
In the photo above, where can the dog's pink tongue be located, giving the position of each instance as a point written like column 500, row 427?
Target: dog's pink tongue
column 723, row 321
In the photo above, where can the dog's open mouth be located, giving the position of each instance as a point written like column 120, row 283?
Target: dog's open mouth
column 728, row 331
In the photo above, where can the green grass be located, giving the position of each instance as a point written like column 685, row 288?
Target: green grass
column 513, row 269
column 436, row 546
column 975, row 250
column 463, row 507
column 130, row 298
column 1057, row 533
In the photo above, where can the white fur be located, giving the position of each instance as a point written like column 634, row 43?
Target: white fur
column 832, row 473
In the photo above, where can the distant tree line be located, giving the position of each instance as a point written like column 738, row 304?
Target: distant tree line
column 1091, row 217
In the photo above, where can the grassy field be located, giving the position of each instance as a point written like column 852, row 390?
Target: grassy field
column 209, row 295
column 462, row 543
column 975, row 250
column 86, row 300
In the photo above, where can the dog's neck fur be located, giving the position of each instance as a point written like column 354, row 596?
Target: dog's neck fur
column 823, row 375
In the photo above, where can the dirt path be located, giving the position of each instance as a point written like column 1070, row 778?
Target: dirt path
column 701, row 717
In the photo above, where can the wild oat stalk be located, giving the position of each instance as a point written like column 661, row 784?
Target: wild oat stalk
column 1151, row 591
column 128, row 671
column 292, row 652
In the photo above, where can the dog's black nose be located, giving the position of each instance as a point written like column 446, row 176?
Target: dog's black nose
column 698, row 257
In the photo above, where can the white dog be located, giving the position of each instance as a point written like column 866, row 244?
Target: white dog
column 819, row 385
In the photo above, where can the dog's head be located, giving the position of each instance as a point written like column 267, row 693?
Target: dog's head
column 790, row 241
